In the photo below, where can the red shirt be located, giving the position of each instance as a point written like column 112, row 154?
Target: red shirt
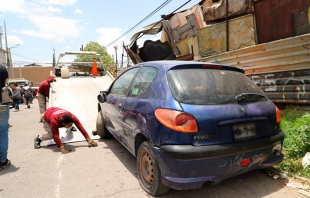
column 44, row 88
column 53, row 116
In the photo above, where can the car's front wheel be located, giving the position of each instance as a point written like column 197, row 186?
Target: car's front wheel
column 148, row 171
column 101, row 130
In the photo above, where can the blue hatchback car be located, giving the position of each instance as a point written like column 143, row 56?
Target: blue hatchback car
column 188, row 123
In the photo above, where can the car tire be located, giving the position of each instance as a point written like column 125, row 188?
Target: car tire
column 101, row 130
column 149, row 174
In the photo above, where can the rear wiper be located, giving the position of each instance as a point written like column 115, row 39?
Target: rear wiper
column 244, row 97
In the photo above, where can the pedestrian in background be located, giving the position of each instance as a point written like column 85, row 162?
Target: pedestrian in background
column 34, row 92
column 44, row 93
column 4, row 122
column 17, row 96
column 22, row 100
column 27, row 92
column 55, row 118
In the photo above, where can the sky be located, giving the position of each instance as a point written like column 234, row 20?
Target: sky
column 35, row 28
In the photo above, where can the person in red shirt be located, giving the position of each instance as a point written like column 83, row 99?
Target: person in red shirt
column 44, row 92
column 55, row 118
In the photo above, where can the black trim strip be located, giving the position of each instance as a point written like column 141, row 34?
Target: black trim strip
column 199, row 152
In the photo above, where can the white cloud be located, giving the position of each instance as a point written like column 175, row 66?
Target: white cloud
column 47, row 25
column 34, row 48
column 53, row 9
column 14, row 40
column 57, row 28
column 60, row 2
column 16, row 6
column 78, row 11
column 108, row 35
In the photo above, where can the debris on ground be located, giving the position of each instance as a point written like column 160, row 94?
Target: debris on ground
column 306, row 160
column 303, row 192
column 291, row 181
column 296, row 184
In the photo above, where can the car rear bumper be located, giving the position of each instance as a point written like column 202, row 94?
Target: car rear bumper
column 187, row 152
column 186, row 167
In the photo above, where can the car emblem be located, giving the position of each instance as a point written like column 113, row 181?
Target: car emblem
column 242, row 110
column 202, row 137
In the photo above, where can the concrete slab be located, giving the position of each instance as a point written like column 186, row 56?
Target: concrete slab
column 79, row 96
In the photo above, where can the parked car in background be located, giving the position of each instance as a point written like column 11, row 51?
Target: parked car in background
column 189, row 123
column 19, row 81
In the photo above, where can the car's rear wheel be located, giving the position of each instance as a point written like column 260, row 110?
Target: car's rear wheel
column 148, row 171
column 101, row 130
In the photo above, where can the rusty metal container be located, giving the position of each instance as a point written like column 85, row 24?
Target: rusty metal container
column 212, row 39
column 279, row 19
column 216, row 10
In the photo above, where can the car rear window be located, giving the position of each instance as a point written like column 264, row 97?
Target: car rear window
column 210, row 86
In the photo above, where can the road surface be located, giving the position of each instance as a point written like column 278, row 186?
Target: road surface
column 108, row 170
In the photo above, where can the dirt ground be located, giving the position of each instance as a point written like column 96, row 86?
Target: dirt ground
column 108, row 170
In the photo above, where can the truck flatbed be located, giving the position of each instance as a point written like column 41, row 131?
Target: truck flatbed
column 79, row 96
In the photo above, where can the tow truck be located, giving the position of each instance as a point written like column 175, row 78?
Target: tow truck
column 61, row 70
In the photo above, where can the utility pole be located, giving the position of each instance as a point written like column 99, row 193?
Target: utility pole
column 54, row 59
column 8, row 55
column 115, row 47
column 123, row 55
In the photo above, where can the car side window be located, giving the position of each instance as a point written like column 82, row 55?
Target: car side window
column 121, row 85
column 142, row 81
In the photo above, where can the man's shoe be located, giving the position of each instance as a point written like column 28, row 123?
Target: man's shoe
column 28, row 106
column 73, row 129
column 5, row 164
column 37, row 142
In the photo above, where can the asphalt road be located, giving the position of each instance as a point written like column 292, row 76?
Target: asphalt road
column 104, row 171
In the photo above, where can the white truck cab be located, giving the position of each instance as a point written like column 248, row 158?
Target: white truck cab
column 20, row 82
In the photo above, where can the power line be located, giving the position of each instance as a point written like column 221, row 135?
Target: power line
column 163, row 19
column 151, row 14
column 25, row 57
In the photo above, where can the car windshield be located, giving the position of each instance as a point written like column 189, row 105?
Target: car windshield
column 18, row 83
column 210, row 86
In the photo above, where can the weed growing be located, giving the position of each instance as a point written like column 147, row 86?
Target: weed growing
column 296, row 126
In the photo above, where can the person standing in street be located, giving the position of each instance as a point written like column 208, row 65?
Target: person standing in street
column 27, row 92
column 4, row 122
column 55, row 118
column 17, row 96
column 43, row 92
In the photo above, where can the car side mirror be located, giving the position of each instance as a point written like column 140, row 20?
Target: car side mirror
column 102, row 97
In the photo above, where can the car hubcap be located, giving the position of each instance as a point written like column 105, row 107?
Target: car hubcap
column 147, row 169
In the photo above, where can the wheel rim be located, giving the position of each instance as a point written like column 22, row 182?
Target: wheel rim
column 147, row 169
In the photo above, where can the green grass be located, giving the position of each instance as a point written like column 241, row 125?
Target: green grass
column 296, row 126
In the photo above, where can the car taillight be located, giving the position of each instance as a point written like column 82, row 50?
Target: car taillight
column 177, row 120
column 245, row 162
column 278, row 115
column 212, row 66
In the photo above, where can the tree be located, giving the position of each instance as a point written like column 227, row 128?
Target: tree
column 99, row 49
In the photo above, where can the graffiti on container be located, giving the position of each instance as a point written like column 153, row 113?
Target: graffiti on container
column 280, row 3
column 290, row 86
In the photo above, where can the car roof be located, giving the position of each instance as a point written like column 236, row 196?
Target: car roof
column 169, row 64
